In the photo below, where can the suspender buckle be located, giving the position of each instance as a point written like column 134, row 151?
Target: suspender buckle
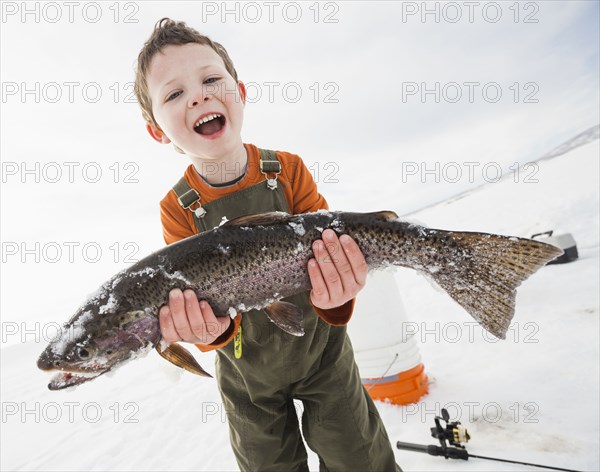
column 270, row 167
column 187, row 199
column 200, row 212
column 272, row 183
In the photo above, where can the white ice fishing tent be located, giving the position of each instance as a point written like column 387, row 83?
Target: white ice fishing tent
column 387, row 356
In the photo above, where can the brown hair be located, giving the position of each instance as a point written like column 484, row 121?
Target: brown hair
column 168, row 32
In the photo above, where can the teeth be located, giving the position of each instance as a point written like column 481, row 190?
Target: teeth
column 89, row 375
column 206, row 118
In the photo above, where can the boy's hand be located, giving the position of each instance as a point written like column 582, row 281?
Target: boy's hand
column 186, row 319
column 338, row 272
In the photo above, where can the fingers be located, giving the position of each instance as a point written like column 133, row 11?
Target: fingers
column 212, row 326
column 167, row 328
column 194, row 318
column 177, row 305
column 339, row 271
column 319, row 294
column 187, row 319
column 329, row 257
column 356, row 259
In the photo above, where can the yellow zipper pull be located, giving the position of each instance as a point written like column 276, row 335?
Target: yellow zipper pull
column 237, row 343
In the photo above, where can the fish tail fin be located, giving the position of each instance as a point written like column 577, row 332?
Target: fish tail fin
column 181, row 357
column 483, row 271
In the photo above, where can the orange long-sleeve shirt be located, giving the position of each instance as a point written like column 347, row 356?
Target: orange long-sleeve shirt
column 300, row 192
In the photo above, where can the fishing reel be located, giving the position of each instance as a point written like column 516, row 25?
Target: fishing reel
column 452, row 437
column 452, row 432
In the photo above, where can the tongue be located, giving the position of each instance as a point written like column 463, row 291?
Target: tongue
column 210, row 127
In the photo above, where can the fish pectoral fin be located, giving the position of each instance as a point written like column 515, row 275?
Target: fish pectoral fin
column 181, row 357
column 259, row 219
column 286, row 316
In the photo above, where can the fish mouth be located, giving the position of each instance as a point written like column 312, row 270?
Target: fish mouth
column 66, row 379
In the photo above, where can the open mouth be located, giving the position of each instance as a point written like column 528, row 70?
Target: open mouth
column 70, row 379
column 210, row 124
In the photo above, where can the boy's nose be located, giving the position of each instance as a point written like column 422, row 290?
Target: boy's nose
column 197, row 99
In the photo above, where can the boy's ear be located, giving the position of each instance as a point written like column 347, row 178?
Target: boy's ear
column 157, row 134
column 242, row 88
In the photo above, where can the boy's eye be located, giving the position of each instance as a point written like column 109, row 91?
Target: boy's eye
column 211, row 80
column 173, row 95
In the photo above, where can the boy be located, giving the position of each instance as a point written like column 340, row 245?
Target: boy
column 190, row 96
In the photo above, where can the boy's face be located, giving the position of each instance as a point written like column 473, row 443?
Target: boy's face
column 188, row 84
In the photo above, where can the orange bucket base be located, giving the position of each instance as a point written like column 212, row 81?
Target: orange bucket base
column 400, row 389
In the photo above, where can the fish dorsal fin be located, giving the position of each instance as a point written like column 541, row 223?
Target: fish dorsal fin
column 259, row 219
column 386, row 214
column 181, row 357
column 286, row 316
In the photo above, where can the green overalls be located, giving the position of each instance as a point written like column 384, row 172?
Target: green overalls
column 263, row 369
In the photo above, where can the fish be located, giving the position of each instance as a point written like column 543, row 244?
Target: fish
column 254, row 261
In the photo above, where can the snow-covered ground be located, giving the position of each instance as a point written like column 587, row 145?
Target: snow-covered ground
column 533, row 397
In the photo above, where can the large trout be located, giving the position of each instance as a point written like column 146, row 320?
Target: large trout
column 253, row 262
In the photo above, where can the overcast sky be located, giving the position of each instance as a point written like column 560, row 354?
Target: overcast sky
column 368, row 66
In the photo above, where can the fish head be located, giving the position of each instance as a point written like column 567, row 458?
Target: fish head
column 102, row 335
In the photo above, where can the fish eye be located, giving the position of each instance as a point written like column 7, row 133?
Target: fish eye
column 83, row 353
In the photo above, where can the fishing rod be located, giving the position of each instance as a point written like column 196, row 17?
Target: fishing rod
column 456, row 435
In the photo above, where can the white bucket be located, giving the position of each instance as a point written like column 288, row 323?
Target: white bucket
column 381, row 347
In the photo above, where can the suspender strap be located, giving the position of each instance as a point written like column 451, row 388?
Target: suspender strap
column 186, row 195
column 269, row 164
